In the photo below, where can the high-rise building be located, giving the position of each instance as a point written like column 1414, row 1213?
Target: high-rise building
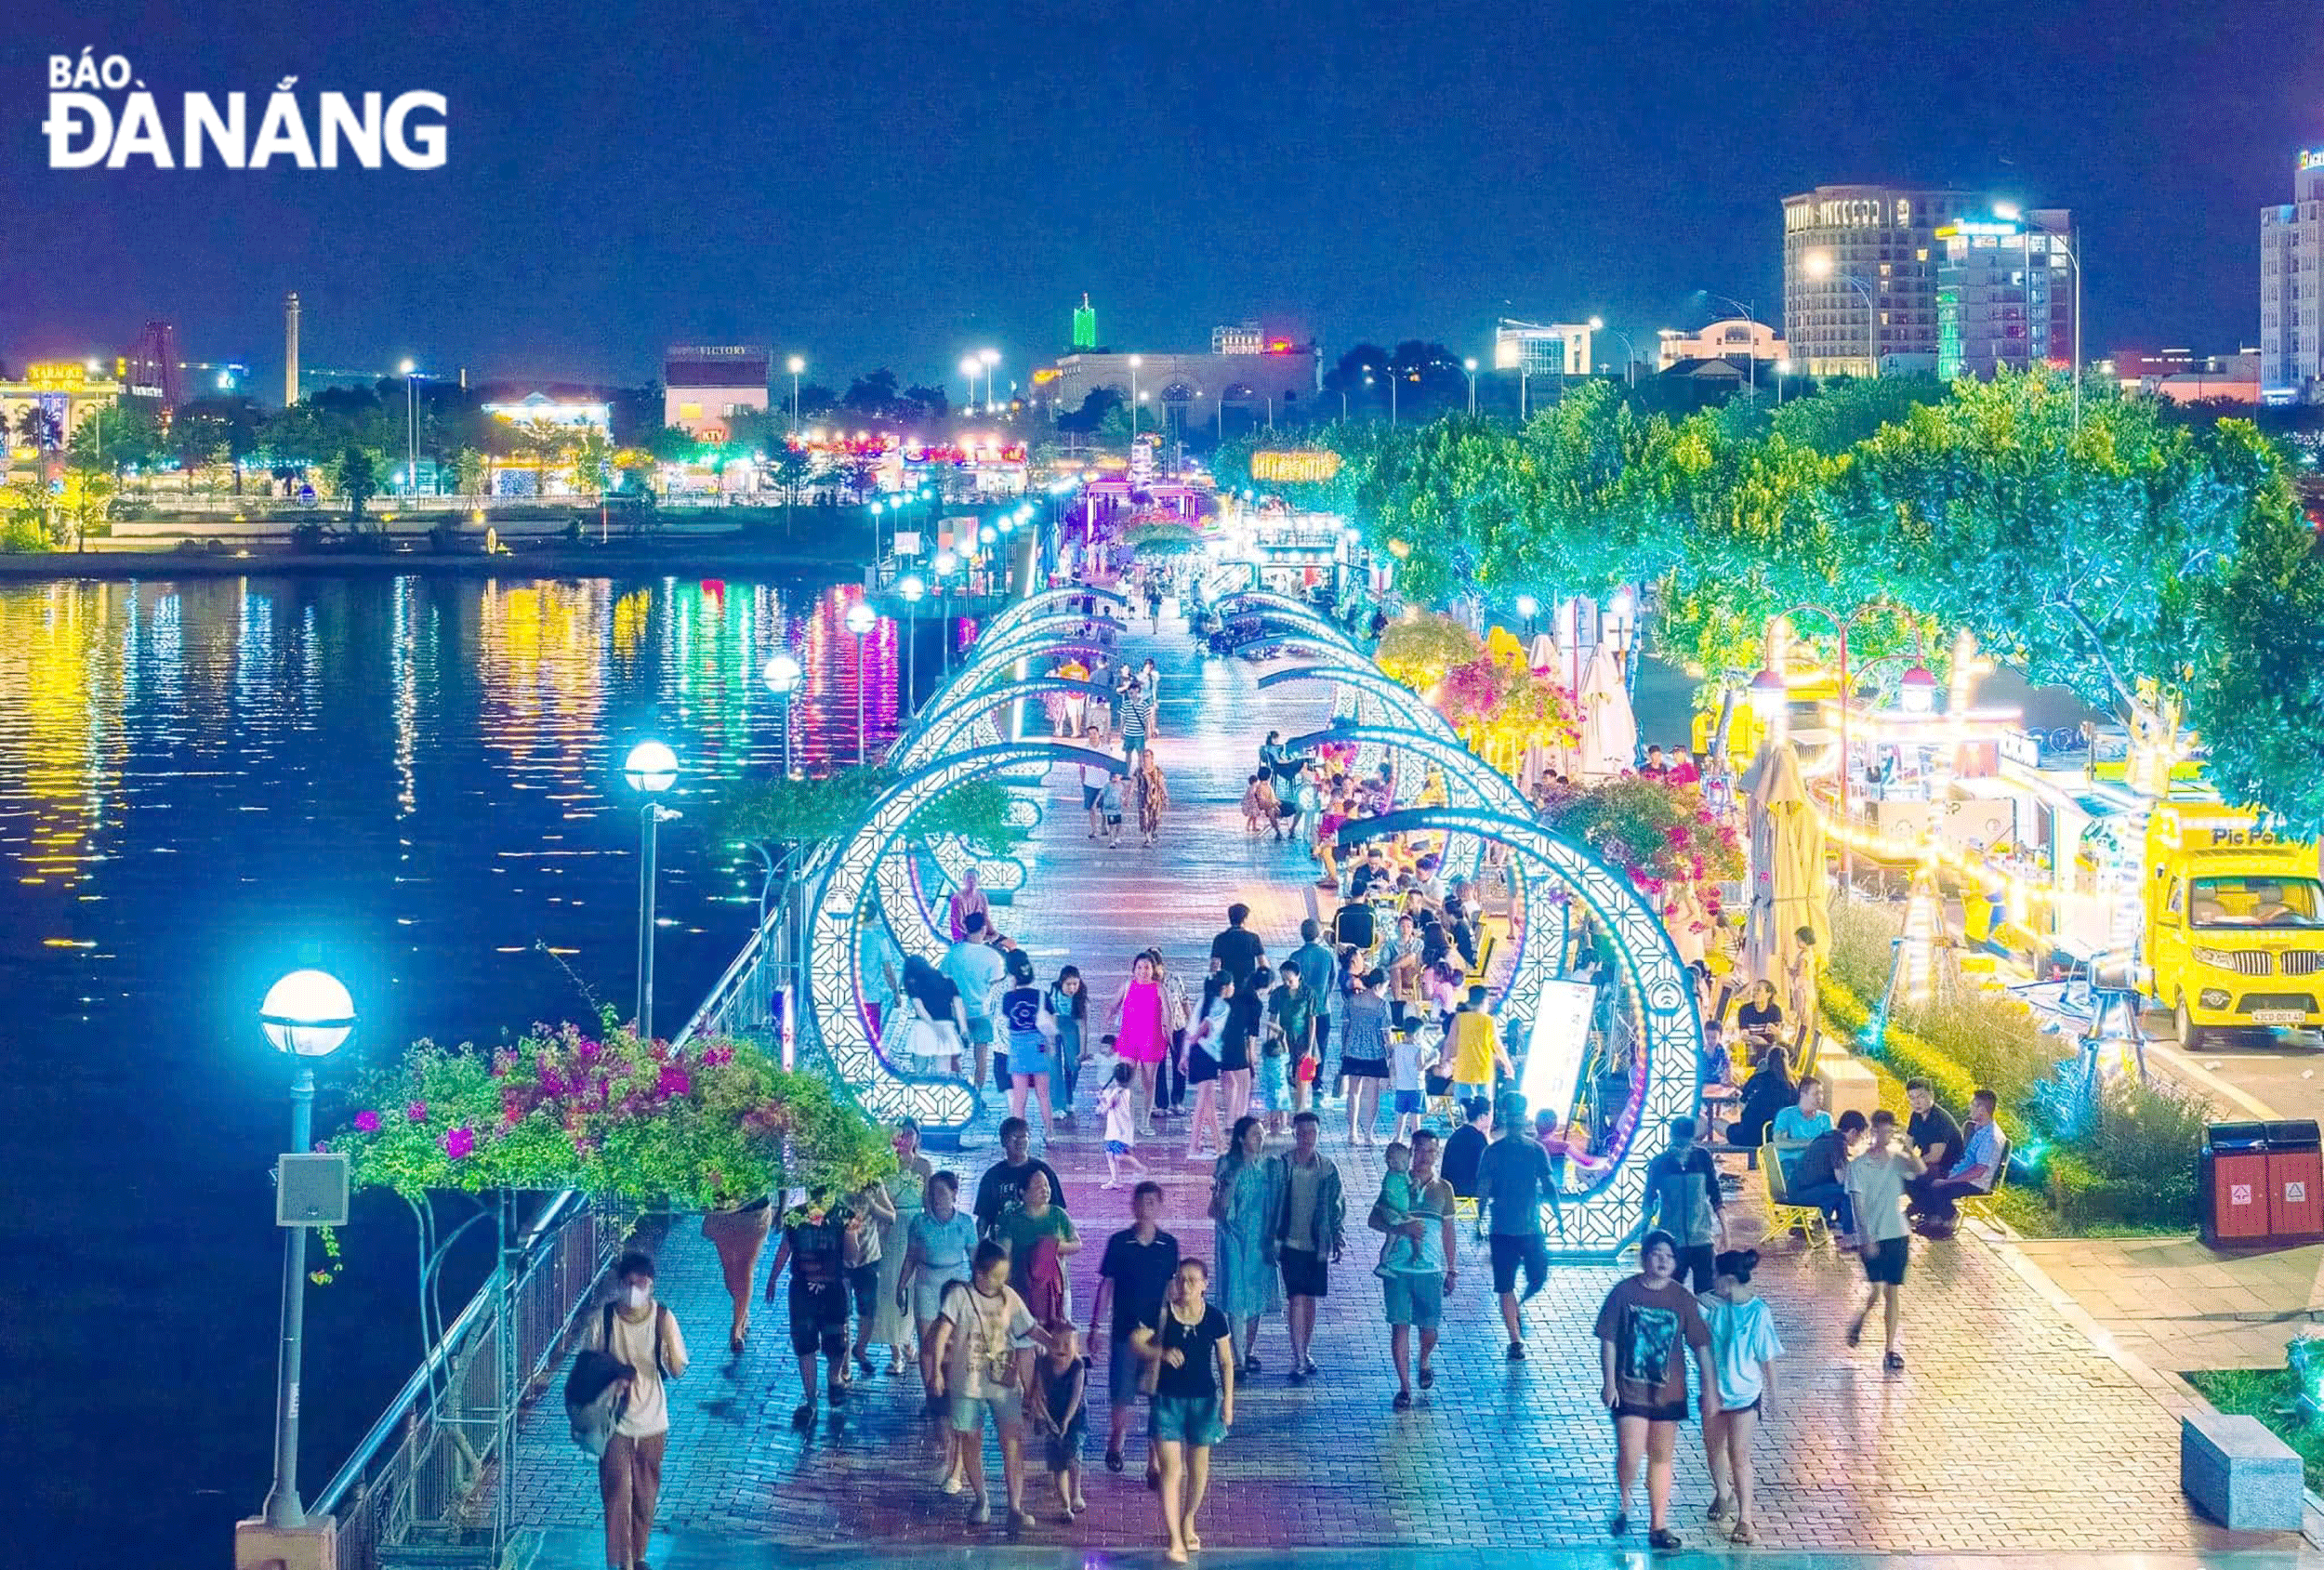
column 151, row 367
column 1859, row 276
column 2291, row 314
column 1084, row 326
column 290, row 349
column 2005, row 293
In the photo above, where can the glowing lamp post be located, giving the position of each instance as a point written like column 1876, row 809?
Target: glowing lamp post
column 1916, row 692
column 306, row 1015
column 783, row 673
column 411, row 426
column 1527, row 606
column 651, row 769
column 795, row 365
column 860, row 619
column 912, row 589
column 1771, row 700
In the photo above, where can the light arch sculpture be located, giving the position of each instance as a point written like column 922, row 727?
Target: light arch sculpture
column 836, row 1013
column 1040, row 602
column 1598, row 1222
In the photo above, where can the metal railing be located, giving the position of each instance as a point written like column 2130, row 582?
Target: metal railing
column 435, row 1467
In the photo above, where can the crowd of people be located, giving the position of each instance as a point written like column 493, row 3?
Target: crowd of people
column 1241, row 1055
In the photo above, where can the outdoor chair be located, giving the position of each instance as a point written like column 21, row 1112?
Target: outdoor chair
column 1782, row 1215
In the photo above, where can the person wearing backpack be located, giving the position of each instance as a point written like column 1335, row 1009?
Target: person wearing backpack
column 641, row 1334
column 1682, row 1198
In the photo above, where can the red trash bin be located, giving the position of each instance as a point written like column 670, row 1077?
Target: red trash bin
column 2234, row 1183
column 2295, row 1180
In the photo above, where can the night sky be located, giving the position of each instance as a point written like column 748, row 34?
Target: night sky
column 873, row 183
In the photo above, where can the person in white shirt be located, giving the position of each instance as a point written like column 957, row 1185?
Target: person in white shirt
column 1093, row 779
column 1743, row 1352
column 636, row 1330
column 975, row 967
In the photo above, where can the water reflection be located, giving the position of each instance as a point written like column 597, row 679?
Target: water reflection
column 201, row 778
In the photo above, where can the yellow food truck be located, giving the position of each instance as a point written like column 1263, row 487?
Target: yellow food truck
column 2234, row 921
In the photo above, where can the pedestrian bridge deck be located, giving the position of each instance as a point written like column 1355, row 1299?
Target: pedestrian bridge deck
column 2008, row 1430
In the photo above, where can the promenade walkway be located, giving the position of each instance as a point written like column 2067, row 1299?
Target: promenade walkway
column 2009, row 1432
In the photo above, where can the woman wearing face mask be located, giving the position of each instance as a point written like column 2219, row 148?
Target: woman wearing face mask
column 635, row 1330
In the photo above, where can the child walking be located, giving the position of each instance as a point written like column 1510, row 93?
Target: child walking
column 1116, row 1105
column 1743, row 1352
column 1403, row 1079
column 1061, row 1413
column 1259, row 807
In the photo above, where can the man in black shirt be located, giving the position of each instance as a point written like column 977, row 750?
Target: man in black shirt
column 1004, row 1181
column 1237, row 951
column 1818, row 1175
column 1464, row 1151
column 1932, row 1131
column 1134, row 1276
column 1373, row 870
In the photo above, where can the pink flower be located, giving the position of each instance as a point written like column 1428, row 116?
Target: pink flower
column 503, row 1060
column 588, row 1050
column 552, row 1083
column 458, row 1143
column 674, row 1081
column 367, row 1122
column 417, row 1112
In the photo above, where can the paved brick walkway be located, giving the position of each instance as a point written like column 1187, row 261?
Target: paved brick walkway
column 2007, row 1432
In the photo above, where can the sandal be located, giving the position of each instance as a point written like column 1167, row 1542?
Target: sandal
column 1665, row 1540
column 1403, row 1402
column 1894, row 1363
column 1114, row 1461
column 1428, row 1377
column 1855, row 1333
column 1744, row 1533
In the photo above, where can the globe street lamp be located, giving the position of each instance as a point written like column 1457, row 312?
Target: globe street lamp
column 970, row 366
column 860, row 619
column 912, row 588
column 946, row 563
column 795, row 365
column 306, row 1015
column 1629, row 349
column 988, row 358
column 1135, row 361
column 651, row 769
column 1469, row 365
column 783, row 673
column 1818, row 266
column 1527, row 606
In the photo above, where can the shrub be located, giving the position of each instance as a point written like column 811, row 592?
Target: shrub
column 21, row 534
column 2086, row 1199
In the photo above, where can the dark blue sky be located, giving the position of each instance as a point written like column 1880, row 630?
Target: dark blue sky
column 873, row 183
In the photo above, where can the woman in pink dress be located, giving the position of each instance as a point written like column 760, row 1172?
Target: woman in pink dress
column 1140, row 1030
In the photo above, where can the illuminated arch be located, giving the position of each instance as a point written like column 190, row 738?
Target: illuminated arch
column 1601, row 1220
column 1038, row 604
column 836, row 1013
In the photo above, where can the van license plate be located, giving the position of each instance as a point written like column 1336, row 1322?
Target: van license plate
column 2277, row 1016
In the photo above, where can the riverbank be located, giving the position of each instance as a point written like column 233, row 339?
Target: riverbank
column 679, row 559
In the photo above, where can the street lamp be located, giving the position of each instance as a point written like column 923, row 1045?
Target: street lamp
column 946, row 563
column 1818, row 266
column 912, row 589
column 1527, row 606
column 783, row 673
column 1841, row 625
column 988, row 358
column 1470, row 365
column 970, row 366
column 411, row 425
column 306, row 1015
column 1783, row 369
column 795, row 365
column 2074, row 259
column 1135, row 361
column 860, row 619
column 651, row 769
column 1629, row 349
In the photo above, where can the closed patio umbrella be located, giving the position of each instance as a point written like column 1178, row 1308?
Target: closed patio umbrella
column 1787, row 885
column 1609, row 731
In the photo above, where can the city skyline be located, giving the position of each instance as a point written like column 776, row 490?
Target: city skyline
column 594, row 210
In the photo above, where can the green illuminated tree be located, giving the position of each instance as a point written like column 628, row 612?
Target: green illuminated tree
column 355, row 475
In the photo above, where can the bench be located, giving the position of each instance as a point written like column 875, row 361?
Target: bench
column 2238, row 1473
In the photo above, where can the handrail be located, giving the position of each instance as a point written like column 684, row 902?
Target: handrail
column 552, row 1217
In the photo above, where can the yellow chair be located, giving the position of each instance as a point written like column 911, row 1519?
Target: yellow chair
column 1782, row 1215
column 1986, row 1207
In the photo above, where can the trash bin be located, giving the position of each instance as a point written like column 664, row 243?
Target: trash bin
column 2231, row 1184
column 2295, row 1180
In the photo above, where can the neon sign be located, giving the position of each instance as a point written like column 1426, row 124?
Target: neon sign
column 2311, row 159
column 1297, row 464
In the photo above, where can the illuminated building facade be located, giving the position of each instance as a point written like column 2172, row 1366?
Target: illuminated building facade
column 706, row 386
column 1859, row 276
column 151, row 367
column 1734, row 338
column 575, row 414
column 2292, row 313
column 2005, row 294
column 1538, row 348
column 66, row 392
column 1279, row 375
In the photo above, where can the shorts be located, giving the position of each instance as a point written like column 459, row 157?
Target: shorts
column 1364, row 1068
column 979, row 1030
column 1063, row 1450
column 1115, row 1147
column 1512, row 1250
column 1409, row 1100
column 968, row 1411
column 1700, row 1262
column 1414, row 1298
column 863, row 1285
column 1134, row 746
column 1467, row 1090
column 1201, row 1067
column 1305, row 1275
column 1271, row 1087
column 928, row 1293
column 1885, row 1263
column 1186, row 1419
column 1657, row 1412
column 1726, row 1411
column 1122, row 1368
column 819, row 1319
column 1090, row 795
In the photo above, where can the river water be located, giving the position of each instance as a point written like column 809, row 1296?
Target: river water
column 412, row 782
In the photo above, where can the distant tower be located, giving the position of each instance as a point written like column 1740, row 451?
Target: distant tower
column 153, row 367
column 1084, row 326
column 290, row 348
